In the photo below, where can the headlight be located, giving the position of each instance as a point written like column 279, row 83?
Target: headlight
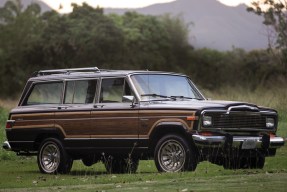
column 207, row 121
column 270, row 122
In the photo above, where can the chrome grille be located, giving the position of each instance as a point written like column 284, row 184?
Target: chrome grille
column 238, row 120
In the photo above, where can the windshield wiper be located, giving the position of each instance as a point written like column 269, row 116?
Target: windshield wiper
column 184, row 97
column 157, row 95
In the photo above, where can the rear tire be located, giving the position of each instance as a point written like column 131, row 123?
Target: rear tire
column 89, row 160
column 52, row 157
column 173, row 154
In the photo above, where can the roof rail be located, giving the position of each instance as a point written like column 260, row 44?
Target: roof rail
column 66, row 71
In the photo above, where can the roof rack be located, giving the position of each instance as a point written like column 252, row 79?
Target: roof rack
column 66, row 71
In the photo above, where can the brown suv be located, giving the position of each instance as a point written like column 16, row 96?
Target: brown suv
column 120, row 117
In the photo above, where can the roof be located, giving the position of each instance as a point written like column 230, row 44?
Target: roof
column 92, row 72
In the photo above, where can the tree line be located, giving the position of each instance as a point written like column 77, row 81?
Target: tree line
column 31, row 40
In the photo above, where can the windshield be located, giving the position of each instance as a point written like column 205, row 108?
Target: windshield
column 154, row 86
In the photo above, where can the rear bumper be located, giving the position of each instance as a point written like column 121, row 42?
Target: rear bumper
column 6, row 145
column 243, row 142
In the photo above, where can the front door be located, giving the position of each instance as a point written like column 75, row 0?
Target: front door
column 114, row 119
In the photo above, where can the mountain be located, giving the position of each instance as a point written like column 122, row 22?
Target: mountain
column 215, row 25
column 25, row 3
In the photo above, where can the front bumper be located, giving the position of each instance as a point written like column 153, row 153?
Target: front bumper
column 243, row 142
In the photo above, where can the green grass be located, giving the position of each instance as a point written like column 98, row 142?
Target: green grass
column 22, row 174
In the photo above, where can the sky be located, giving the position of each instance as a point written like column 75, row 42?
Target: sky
column 66, row 4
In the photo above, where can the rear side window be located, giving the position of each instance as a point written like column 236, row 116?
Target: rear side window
column 45, row 93
column 80, row 92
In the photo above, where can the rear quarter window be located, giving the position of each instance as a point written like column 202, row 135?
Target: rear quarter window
column 45, row 93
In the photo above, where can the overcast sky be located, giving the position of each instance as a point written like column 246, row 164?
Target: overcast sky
column 66, row 4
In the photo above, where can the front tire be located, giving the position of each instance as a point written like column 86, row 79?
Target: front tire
column 173, row 154
column 52, row 157
column 243, row 162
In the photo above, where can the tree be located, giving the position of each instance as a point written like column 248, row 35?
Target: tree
column 275, row 16
column 19, row 30
column 85, row 37
column 154, row 43
column 178, row 32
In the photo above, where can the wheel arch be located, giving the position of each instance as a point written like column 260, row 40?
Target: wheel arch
column 166, row 128
column 48, row 133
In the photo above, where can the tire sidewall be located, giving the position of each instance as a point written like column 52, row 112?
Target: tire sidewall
column 189, row 160
column 65, row 163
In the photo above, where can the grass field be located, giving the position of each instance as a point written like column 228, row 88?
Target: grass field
column 22, row 174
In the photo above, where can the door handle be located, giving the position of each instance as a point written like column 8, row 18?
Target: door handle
column 62, row 107
column 98, row 106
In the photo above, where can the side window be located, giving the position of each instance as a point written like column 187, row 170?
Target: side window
column 113, row 90
column 80, row 92
column 45, row 93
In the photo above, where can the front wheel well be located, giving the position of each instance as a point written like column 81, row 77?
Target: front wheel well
column 163, row 130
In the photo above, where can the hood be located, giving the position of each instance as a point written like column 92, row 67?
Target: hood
column 205, row 104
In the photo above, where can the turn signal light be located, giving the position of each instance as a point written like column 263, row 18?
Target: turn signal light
column 206, row 133
column 192, row 118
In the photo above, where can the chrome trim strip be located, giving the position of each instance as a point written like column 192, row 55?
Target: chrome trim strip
column 21, row 141
column 105, row 138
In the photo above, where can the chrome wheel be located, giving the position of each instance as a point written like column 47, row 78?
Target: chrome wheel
column 50, row 157
column 53, row 158
column 171, row 156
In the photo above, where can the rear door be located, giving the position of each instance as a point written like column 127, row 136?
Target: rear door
column 73, row 115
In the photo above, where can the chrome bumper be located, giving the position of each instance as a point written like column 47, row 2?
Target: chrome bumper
column 6, row 145
column 238, row 141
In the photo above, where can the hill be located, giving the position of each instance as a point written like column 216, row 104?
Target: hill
column 215, row 25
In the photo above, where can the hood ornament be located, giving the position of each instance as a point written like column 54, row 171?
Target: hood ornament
column 242, row 108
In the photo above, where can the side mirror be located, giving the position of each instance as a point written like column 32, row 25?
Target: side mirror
column 129, row 98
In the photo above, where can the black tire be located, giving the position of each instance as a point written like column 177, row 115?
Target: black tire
column 232, row 163
column 173, row 154
column 121, row 165
column 256, row 162
column 89, row 161
column 253, row 162
column 52, row 157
